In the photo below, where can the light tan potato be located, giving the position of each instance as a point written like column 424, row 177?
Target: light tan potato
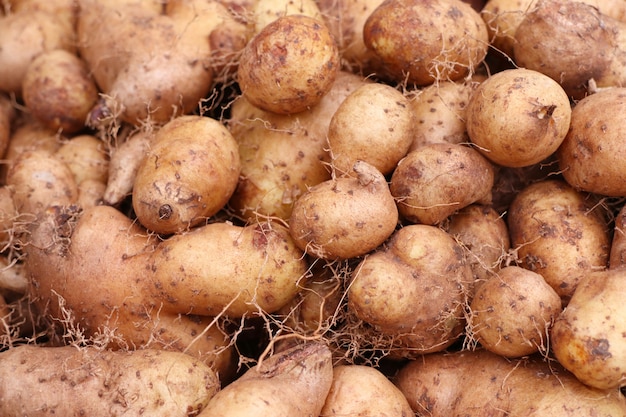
column 518, row 117
column 588, row 336
column 187, row 176
column 479, row 383
column 560, row 233
column 436, row 180
column 364, row 391
column 291, row 383
column 373, row 124
column 59, row 91
column 86, row 156
column 345, row 217
column 573, row 43
column 7, row 115
column 512, row 312
column 591, row 156
column 90, row 193
column 8, row 217
column 289, row 65
column 413, row 290
column 283, row 155
column 617, row 255
column 423, row 42
column 265, row 12
column 86, row 381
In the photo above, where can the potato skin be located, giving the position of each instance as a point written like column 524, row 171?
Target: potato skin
column 188, row 175
column 74, row 381
column 275, row 57
column 422, row 42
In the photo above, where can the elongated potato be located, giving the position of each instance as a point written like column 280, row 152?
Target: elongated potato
column 40, row 381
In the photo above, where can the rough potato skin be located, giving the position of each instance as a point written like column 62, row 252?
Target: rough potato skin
column 289, row 65
column 71, row 381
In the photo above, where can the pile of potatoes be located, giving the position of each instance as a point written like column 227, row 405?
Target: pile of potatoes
column 313, row 208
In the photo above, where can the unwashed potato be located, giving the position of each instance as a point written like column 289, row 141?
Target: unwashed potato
column 373, row 124
column 71, row 381
column 289, row 65
column 59, row 91
column 480, row 383
column 7, row 115
column 513, row 311
column 86, row 156
column 617, row 255
column 8, row 215
column 518, row 117
column 560, row 233
column 265, row 12
column 345, row 217
column 413, row 290
column 364, row 391
column 591, row 156
column 187, row 176
column 290, row 383
column 433, row 181
column 420, row 42
column 588, row 336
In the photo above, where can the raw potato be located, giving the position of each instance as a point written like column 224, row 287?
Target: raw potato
column 291, row 383
column 413, row 290
column 364, row 391
column 518, row 117
column 71, row 381
column 573, row 43
column 345, row 217
column 560, row 233
column 588, row 337
column 8, row 216
column 7, row 115
column 266, row 11
column 420, row 42
column 617, row 255
column 591, row 156
column 59, row 91
column 87, row 158
column 480, row 383
column 512, row 312
column 188, row 175
column 436, row 180
column 289, row 65
column 373, row 124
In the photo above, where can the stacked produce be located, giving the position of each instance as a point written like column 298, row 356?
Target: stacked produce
column 314, row 208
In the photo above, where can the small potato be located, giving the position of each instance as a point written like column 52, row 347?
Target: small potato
column 413, row 290
column 8, row 215
column 373, row 124
column 188, row 175
column 592, row 157
column 420, row 42
column 518, row 117
column 7, row 115
column 345, row 217
column 266, row 11
column 86, row 156
column 71, row 381
column 59, row 91
column 289, row 65
column 364, row 391
column 560, row 233
column 617, row 256
column 513, row 311
column 436, row 180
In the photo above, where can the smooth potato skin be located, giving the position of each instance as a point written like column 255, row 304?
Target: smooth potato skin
column 75, row 381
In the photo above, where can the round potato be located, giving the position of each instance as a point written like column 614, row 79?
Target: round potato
column 518, row 117
column 289, row 65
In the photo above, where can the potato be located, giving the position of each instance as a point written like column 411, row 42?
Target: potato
column 7, row 115
column 373, row 124
column 436, row 180
column 265, row 12
column 560, row 233
column 289, row 65
column 283, row 155
column 188, row 175
column 512, row 312
column 8, row 217
column 588, row 336
column 414, row 290
column 518, row 117
column 591, row 155
column 423, row 42
column 59, row 91
column 291, row 383
column 86, row 156
column 360, row 390
column 440, row 112
column 574, row 44
column 88, row 381
column 12, row 276
column 479, row 383
column 344, row 217
column 617, row 254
